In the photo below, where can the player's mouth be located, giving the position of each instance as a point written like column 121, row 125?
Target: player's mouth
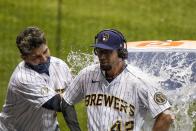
column 105, row 66
column 104, row 63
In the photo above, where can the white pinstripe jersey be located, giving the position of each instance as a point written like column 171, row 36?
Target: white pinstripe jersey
column 28, row 91
column 119, row 105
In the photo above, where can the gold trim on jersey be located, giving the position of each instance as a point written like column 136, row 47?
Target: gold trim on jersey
column 60, row 91
column 160, row 98
column 109, row 101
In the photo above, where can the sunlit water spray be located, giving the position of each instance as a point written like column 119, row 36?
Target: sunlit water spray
column 79, row 60
column 176, row 75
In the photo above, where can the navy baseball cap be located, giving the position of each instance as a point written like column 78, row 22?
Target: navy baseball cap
column 108, row 39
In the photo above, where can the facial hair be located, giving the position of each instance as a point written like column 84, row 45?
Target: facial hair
column 105, row 67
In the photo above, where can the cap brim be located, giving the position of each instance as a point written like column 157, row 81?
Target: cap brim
column 102, row 46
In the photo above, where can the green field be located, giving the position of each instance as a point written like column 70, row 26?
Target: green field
column 82, row 19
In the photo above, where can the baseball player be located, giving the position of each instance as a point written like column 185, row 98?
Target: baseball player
column 117, row 95
column 35, row 88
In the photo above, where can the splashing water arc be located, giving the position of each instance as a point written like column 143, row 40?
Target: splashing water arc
column 172, row 63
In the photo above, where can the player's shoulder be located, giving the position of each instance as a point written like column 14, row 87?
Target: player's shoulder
column 57, row 62
column 94, row 68
column 141, row 76
column 22, row 74
column 136, row 72
column 21, row 69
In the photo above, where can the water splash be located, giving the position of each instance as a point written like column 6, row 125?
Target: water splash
column 176, row 73
column 78, row 60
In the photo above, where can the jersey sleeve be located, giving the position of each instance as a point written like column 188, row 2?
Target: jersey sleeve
column 152, row 98
column 32, row 89
column 75, row 92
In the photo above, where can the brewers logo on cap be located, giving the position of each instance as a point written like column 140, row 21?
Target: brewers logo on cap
column 105, row 37
column 160, row 98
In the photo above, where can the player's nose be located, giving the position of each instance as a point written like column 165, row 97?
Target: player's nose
column 102, row 56
column 43, row 58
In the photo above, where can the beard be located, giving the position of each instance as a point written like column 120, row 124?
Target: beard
column 105, row 67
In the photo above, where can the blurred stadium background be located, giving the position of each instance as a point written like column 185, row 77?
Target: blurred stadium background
column 70, row 25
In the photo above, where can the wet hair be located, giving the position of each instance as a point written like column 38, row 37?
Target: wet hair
column 29, row 39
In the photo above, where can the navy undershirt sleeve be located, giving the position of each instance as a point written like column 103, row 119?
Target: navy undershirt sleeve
column 60, row 105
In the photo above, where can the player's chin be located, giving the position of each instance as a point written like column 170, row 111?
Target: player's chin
column 105, row 67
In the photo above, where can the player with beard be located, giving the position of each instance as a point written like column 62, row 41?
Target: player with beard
column 117, row 95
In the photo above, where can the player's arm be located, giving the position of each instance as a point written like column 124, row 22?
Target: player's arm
column 53, row 103
column 58, row 104
column 158, row 105
column 68, row 110
column 70, row 116
column 163, row 121
column 75, row 93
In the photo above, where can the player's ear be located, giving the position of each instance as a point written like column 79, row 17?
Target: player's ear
column 23, row 57
column 95, row 51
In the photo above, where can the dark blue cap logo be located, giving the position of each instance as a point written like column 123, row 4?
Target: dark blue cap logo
column 105, row 37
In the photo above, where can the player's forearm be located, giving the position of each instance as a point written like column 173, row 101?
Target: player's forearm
column 54, row 103
column 57, row 103
column 163, row 122
column 70, row 116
